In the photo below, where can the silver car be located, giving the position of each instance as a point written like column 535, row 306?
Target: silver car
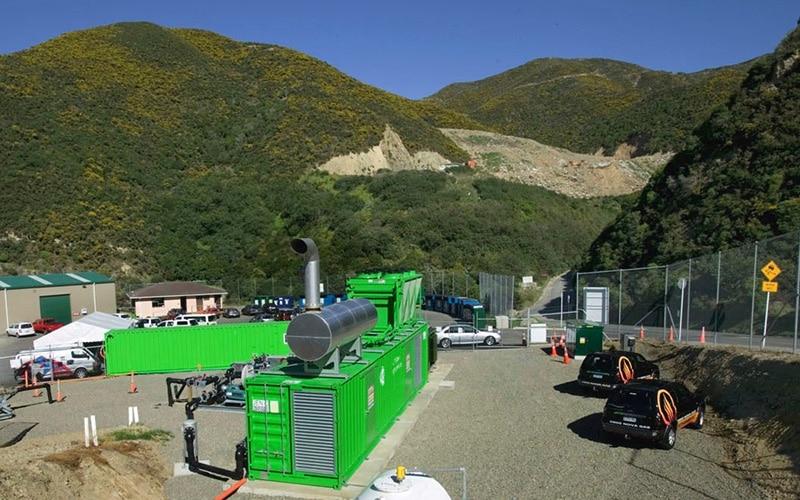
column 24, row 329
column 461, row 333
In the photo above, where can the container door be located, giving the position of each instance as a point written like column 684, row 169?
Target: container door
column 269, row 429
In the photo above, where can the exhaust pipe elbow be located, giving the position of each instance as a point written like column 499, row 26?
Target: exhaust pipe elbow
column 308, row 250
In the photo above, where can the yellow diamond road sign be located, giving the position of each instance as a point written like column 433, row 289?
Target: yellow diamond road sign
column 771, row 270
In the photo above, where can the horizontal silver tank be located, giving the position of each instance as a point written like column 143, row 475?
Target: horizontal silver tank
column 312, row 335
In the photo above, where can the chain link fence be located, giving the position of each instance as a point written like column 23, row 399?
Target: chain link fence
column 751, row 291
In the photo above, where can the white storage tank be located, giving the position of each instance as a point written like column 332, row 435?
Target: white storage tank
column 400, row 484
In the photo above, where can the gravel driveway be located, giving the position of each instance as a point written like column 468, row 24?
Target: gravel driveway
column 510, row 420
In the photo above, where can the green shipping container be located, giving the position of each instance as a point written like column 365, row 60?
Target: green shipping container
column 318, row 428
column 185, row 348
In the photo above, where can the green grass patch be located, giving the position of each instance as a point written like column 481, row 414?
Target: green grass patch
column 492, row 160
column 139, row 434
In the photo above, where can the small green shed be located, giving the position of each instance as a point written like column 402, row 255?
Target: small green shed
column 584, row 337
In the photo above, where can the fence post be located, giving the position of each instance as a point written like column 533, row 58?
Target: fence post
column 753, row 297
column 796, row 296
column 666, row 307
column 689, row 301
column 619, row 307
column 716, row 300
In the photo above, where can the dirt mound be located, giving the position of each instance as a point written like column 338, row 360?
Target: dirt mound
column 754, row 400
column 63, row 467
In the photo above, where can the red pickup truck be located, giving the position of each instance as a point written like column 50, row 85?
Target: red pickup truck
column 46, row 325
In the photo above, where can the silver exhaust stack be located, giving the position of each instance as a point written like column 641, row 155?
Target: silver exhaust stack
column 308, row 249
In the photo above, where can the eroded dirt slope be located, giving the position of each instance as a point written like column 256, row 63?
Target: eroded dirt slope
column 754, row 398
column 515, row 159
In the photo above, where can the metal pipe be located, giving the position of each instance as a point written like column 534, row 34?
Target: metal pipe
column 308, row 250
column 190, row 455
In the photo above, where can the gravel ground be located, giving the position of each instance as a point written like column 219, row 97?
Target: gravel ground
column 510, row 421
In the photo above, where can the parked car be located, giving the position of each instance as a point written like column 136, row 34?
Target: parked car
column 231, row 312
column 234, row 394
column 607, row 370
column 251, row 310
column 653, row 410
column 123, row 315
column 174, row 312
column 31, row 368
column 146, row 323
column 201, row 318
column 23, row 329
column 75, row 354
column 177, row 322
column 46, row 325
column 286, row 314
column 261, row 318
column 44, row 368
column 462, row 333
column 216, row 311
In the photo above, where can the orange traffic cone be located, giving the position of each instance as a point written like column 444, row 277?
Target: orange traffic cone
column 561, row 342
column 703, row 335
column 671, row 335
column 58, row 392
column 641, row 332
column 553, row 347
column 566, row 355
column 133, row 385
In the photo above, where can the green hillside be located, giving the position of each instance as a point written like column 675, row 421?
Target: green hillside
column 586, row 105
column 151, row 154
column 739, row 183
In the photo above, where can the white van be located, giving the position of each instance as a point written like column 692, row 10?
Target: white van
column 73, row 356
column 177, row 322
column 201, row 318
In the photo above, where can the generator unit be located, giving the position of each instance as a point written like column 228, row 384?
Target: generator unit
column 356, row 365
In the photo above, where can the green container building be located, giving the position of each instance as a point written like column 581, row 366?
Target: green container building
column 584, row 338
column 315, row 425
column 184, row 348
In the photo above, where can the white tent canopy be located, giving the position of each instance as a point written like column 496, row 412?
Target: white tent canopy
column 90, row 328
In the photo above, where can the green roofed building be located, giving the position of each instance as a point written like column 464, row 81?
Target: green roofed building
column 61, row 296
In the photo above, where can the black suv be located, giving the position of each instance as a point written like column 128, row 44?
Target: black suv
column 607, row 370
column 251, row 310
column 654, row 410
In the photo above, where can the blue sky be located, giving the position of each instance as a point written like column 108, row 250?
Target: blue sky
column 415, row 47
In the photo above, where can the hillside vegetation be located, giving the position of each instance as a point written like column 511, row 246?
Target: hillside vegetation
column 739, row 183
column 586, row 105
column 152, row 154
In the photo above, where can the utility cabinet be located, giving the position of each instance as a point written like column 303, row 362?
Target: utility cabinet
column 584, row 338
